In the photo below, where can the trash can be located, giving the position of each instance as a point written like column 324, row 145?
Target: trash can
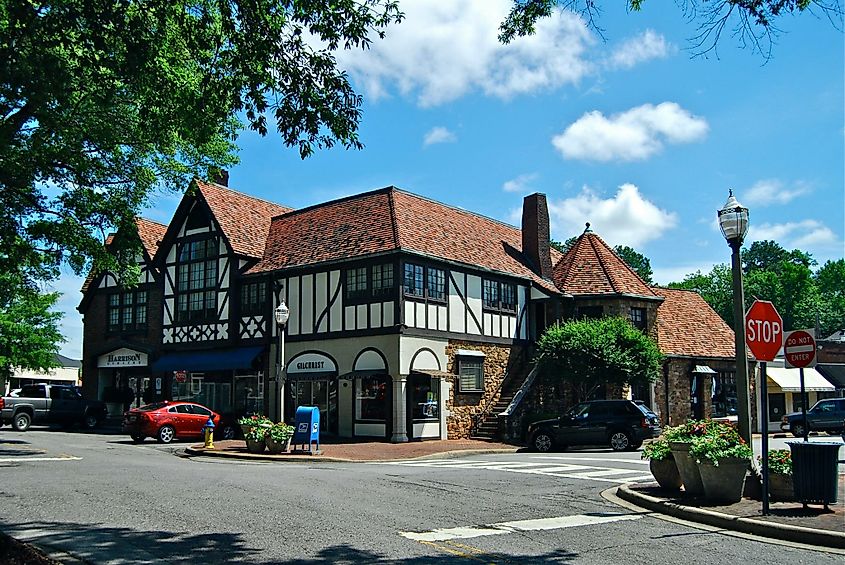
column 815, row 471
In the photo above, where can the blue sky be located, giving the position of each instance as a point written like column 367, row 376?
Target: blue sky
column 630, row 133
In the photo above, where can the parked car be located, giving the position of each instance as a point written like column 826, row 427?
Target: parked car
column 620, row 424
column 167, row 421
column 827, row 415
column 50, row 404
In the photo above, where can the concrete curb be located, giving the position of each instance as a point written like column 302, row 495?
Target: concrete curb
column 795, row 534
column 202, row 452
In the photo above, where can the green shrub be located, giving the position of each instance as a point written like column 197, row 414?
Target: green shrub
column 280, row 432
column 780, row 461
column 657, row 450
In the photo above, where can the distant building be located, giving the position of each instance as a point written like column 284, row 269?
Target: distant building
column 67, row 372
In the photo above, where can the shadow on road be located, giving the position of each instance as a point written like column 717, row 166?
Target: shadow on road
column 93, row 544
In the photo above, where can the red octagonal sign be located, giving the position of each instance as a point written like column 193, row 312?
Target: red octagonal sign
column 763, row 330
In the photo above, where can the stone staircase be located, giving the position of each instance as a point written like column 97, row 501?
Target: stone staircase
column 488, row 428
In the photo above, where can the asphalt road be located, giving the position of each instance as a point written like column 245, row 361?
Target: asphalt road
column 103, row 499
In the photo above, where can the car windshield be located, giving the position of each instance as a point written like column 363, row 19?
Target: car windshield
column 153, row 406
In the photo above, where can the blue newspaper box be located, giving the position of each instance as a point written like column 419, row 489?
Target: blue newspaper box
column 306, row 430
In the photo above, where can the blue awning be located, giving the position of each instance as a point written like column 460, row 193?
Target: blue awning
column 214, row 360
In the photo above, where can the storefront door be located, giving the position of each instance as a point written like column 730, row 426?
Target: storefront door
column 319, row 393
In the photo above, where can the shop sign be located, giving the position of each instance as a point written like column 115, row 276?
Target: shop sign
column 311, row 363
column 123, row 357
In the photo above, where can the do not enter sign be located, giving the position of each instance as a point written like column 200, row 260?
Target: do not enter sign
column 799, row 349
column 763, row 330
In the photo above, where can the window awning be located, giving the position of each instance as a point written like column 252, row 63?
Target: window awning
column 790, row 381
column 215, row 360
column 704, row 369
column 434, row 373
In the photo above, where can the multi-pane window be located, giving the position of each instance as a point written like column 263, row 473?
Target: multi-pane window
column 471, row 374
column 638, row 318
column 196, row 280
column 436, row 283
column 499, row 295
column 127, row 310
column 413, row 282
column 382, row 276
column 253, row 298
column 356, row 283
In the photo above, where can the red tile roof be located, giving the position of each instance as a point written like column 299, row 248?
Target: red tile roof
column 390, row 219
column 150, row 233
column 687, row 326
column 244, row 219
column 591, row 267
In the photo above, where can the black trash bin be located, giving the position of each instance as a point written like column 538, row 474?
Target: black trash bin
column 815, row 471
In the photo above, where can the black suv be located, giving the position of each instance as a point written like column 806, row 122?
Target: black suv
column 826, row 415
column 621, row 424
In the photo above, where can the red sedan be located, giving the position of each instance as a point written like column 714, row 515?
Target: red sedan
column 168, row 420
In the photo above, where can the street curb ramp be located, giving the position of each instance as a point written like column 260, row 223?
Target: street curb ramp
column 795, row 534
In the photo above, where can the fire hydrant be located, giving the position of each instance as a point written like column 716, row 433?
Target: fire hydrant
column 209, row 434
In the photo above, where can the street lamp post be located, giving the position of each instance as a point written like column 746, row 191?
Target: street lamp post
column 733, row 220
column 282, row 314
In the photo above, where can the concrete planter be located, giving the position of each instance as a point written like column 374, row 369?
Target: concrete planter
column 255, row 446
column 781, row 488
column 687, row 467
column 666, row 473
column 724, row 483
column 277, row 446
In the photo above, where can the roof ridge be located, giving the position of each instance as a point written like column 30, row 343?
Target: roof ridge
column 457, row 209
column 393, row 221
column 151, row 221
column 241, row 193
column 295, row 211
column 607, row 275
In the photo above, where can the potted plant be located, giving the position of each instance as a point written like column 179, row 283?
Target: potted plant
column 723, row 460
column 255, row 442
column 781, row 488
column 680, row 440
column 662, row 464
column 252, row 420
column 278, row 437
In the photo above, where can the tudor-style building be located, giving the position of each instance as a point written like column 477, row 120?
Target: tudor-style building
column 409, row 319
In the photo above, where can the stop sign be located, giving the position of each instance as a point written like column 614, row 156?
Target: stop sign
column 799, row 349
column 763, row 330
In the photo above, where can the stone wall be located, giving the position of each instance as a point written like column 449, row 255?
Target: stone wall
column 465, row 406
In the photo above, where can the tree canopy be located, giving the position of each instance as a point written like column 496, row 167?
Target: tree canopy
column 588, row 354
column 754, row 23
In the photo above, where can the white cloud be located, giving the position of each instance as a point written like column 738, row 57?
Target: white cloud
column 439, row 134
column 634, row 135
column 520, row 183
column 773, row 191
column 625, row 219
column 806, row 235
column 444, row 50
column 644, row 47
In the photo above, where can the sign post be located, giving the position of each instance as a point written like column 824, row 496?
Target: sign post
column 799, row 350
column 764, row 336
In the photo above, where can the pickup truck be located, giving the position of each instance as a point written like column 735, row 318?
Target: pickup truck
column 50, row 404
column 827, row 415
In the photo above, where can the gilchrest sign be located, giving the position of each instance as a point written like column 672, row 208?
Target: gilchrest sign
column 311, row 363
column 123, row 357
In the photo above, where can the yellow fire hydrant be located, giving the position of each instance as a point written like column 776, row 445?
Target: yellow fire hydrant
column 209, row 434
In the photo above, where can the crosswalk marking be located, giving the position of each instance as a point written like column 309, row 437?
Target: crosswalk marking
column 27, row 459
column 554, row 468
column 501, row 528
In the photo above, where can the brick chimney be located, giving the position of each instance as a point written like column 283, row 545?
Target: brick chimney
column 221, row 178
column 535, row 234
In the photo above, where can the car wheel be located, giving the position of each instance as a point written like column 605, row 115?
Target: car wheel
column 21, row 421
column 797, row 430
column 137, row 438
column 166, row 434
column 90, row 421
column 542, row 442
column 228, row 432
column 620, row 441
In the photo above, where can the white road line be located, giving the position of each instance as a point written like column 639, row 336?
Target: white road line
column 26, row 459
column 638, row 461
column 445, row 534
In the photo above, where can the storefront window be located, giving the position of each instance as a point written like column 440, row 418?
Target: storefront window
column 424, row 397
column 471, row 371
column 371, row 398
column 724, row 395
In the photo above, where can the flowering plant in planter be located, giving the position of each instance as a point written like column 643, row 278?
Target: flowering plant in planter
column 253, row 420
column 719, row 441
column 257, row 433
column 280, row 432
column 693, row 429
column 657, row 450
column 780, row 461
